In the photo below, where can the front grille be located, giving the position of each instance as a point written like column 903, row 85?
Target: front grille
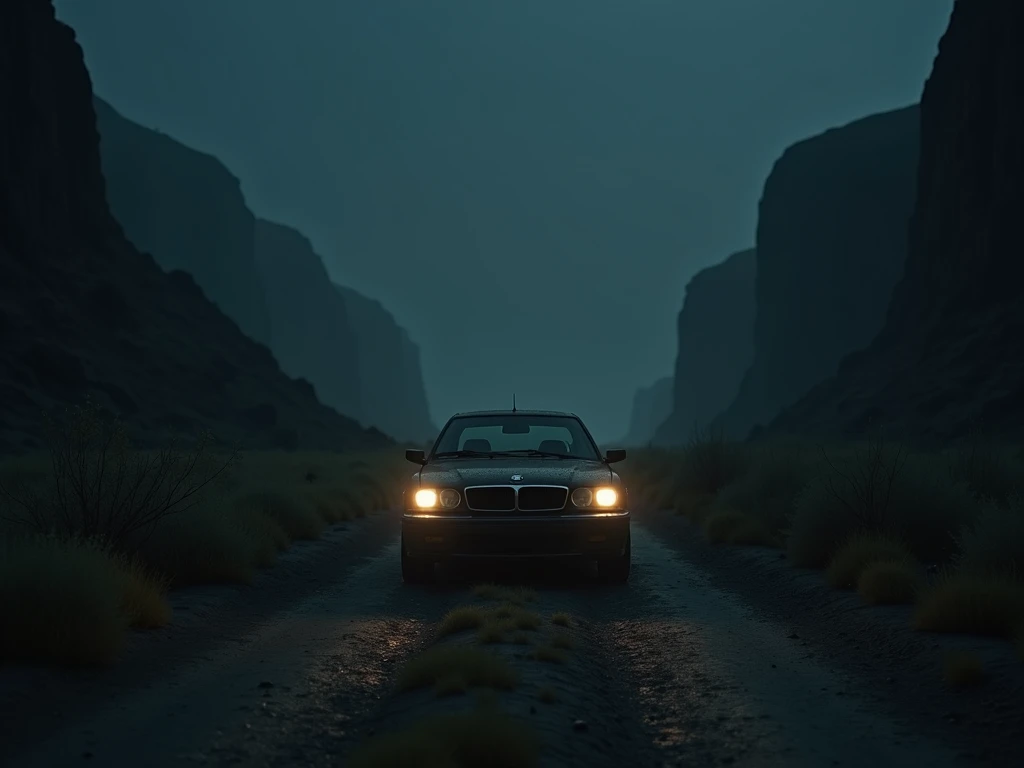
column 491, row 499
column 538, row 498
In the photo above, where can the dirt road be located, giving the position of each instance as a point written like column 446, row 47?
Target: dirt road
column 298, row 669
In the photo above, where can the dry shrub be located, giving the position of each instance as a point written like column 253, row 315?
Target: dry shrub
column 710, row 463
column 994, row 542
column 889, row 583
column 69, row 601
column 879, row 488
column 990, row 471
column 969, row 604
column 767, row 492
column 860, row 551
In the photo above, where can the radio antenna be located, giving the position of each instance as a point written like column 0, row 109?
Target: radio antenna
column 513, row 402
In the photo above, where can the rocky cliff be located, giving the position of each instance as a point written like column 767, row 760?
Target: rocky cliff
column 186, row 209
column 949, row 358
column 82, row 311
column 831, row 244
column 311, row 335
column 651, row 406
column 392, row 394
column 716, row 345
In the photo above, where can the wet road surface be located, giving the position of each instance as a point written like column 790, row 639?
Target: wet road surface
column 670, row 671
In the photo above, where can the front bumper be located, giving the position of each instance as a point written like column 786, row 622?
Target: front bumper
column 593, row 535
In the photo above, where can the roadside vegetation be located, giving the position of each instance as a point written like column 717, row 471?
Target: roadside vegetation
column 95, row 532
column 491, row 657
column 940, row 530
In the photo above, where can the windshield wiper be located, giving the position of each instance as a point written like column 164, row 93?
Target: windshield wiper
column 464, row 454
column 535, row 452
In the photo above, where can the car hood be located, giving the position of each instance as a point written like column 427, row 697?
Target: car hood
column 460, row 473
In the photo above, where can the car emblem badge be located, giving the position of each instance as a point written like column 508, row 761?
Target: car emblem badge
column 517, row 478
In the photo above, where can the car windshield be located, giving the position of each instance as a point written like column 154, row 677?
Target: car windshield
column 518, row 435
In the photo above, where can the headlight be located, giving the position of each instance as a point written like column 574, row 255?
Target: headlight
column 426, row 498
column 582, row 497
column 600, row 497
column 450, row 498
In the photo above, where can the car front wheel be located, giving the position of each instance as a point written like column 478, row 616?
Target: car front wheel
column 615, row 570
column 416, row 571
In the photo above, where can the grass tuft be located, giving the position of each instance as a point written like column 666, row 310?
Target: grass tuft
column 486, row 737
column 894, row 582
column 961, row 669
column 62, row 601
column 561, row 619
column 514, row 595
column 860, row 551
column 978, row 605
column 475, row 666
column 461, row 619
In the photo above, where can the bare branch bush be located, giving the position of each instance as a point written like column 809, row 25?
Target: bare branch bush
column 101, row 487
column 863, row 484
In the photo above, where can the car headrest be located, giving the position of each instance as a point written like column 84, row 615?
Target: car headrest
column 477, row 444
column 553, row 446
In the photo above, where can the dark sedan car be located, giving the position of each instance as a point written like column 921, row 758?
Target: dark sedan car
column 515, row 484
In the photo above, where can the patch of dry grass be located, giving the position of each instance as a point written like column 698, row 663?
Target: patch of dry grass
column 462, row 619
column 69, row 601
column 879, row 488
column 970, row 604
column 895, row 582
column 561, row 619
column 993, row 544
column 486, row 737
column 860, row 551
column 961, row 669
column 73, row 600
column 448, row 665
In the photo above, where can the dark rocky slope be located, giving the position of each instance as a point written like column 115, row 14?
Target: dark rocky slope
column 831, row 244
column 186, row 209
column 716, row 345
column 311, row 335
column 392, row 394
column 81, row 310
column 949, row 359
column 651, row 406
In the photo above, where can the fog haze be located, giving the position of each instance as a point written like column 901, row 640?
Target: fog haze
column 527, row 186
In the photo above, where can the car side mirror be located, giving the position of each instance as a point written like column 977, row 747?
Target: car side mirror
column 416, row 456
column 613, row 455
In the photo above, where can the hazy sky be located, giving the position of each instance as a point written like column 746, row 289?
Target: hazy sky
column 527, row 185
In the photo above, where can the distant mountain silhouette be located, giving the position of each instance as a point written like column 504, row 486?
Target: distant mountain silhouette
column 82, row 311
column 831, row 244
column 187, row 210
column 715, row 333
column 310, row 331
column 392, row 395
column 949, row 358
column 651, row 406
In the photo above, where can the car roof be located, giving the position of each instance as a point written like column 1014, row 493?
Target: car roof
column 517, row 412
